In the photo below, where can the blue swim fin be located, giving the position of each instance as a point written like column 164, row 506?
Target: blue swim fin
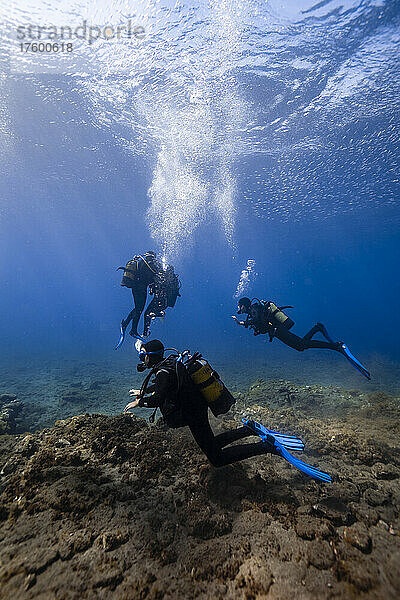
column 122, row 336
column 289, row 441
column 354, row 362
column 346, row 352
column 280, row 442
column 302, row 466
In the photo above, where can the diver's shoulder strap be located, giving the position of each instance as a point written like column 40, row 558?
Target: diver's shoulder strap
column 135, row 260
column 267, row 304
column 145, row 383
column 263, row 303
column 146, row 263
column 157, row 369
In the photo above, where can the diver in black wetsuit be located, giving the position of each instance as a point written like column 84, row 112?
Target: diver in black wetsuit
column 182, row 404
column 165, row 291
column 156, row 308
column 268, row 318
column 139, row 273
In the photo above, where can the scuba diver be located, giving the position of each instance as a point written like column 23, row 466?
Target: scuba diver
column 165, row 291
column 140, row 273
column 265, row 317
column 184, row 386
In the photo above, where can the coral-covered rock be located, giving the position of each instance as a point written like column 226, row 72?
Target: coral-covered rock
column 308, row 527
column 255, row 576
column 97, row 507
column 362, row 572
column 320, row 554
column 388, row 471
column 358, row 536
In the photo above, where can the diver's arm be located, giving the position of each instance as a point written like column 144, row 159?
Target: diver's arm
column 131, row 405
column 238, row 322
column 147, row 402
column 247, row 323
column 140, row 400
column 150, row 389
column 159, row 390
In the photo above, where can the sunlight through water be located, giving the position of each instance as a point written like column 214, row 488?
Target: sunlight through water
column 208, row 86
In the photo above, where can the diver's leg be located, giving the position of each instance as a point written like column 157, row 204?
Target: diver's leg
column 139, row 293
column 232, row 435
column 147, row 318
column 290, row 339
column 310, row 343
column 125, row 322
column 300, row 344
column 324, row 332
column 312, row 332
column 219, row 457
column 239, row 452
column 318, row 328
column 325, row 345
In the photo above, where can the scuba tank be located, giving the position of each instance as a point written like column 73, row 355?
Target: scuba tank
column 134, row 269
column 167, row 284
column 208, row 383
column 193, row 373
column 277, row 316
column 272, row 318
column 130, row 272
column 172, row 286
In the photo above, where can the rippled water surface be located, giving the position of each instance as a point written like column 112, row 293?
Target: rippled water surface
column 226, row 132
column 214, row 85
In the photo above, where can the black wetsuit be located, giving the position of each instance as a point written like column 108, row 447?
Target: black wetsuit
column 143, row 276
column 258, row 321
column 165, row 290
column 294, row 341
column 195, row 415
column 156, row 307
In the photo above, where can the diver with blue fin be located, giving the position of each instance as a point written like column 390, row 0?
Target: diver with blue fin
column 142, row 273
column 184, row 386
column 265, row 317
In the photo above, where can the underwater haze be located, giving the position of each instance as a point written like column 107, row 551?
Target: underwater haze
column 253, row 145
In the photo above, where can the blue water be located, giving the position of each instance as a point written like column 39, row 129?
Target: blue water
column 234, row 131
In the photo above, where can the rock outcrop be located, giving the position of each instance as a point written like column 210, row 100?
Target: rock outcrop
column 101, row 507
